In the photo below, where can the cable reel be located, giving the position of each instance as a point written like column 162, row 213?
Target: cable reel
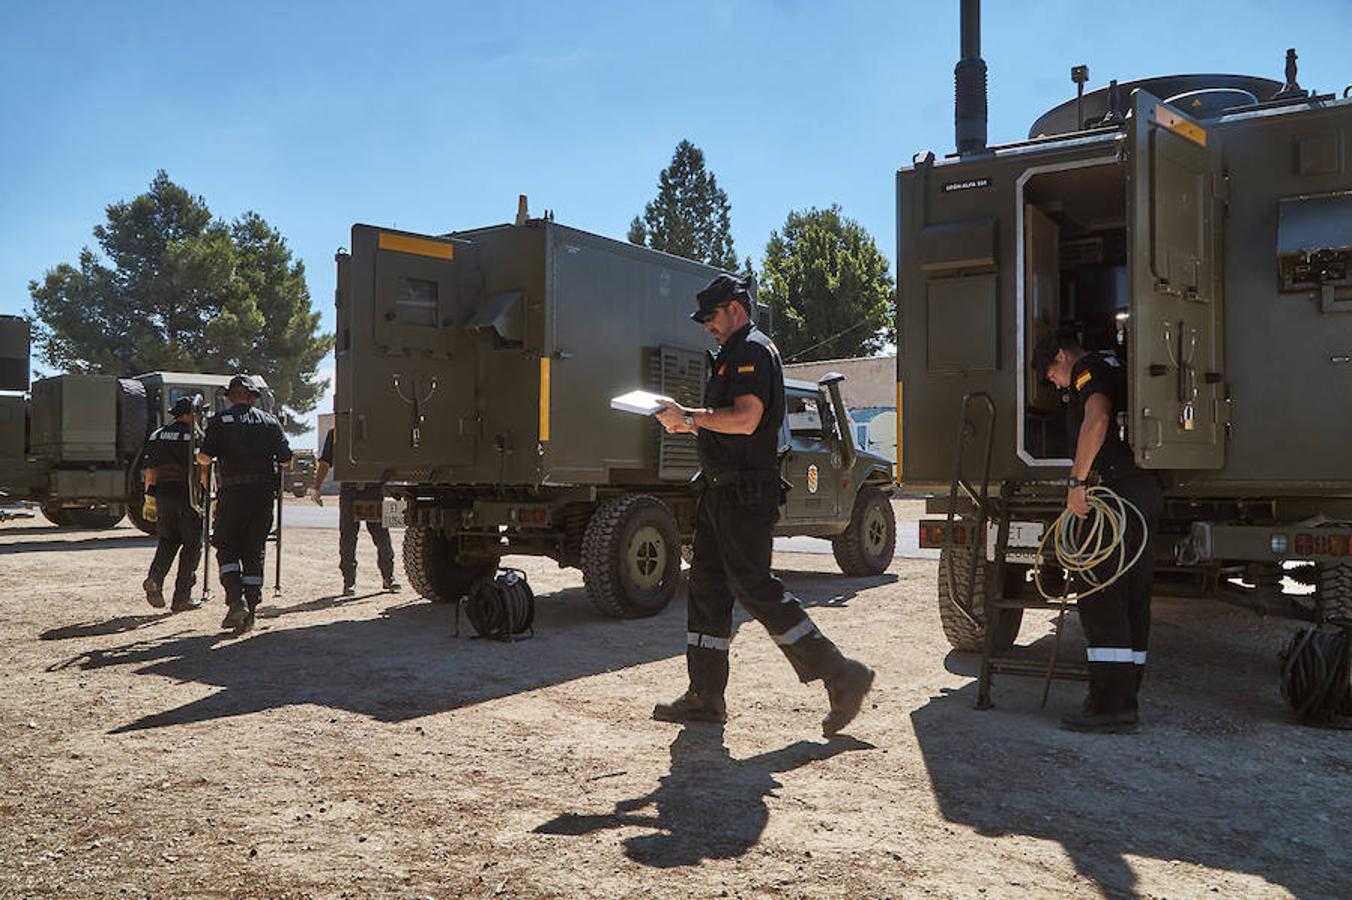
column 500, row 606
column 1317, row 675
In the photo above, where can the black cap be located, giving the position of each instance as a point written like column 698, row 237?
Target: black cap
column 717, row 292
column 1044, row 353
column 182, row 407
column 251, row 383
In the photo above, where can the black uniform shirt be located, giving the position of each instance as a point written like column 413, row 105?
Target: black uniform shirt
column 245, row 441
column 167, row 453
column 748, row 363
column 1095, row 373
column 326, row 455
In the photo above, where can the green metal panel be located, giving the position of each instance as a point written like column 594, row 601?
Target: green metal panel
column 1178, row 407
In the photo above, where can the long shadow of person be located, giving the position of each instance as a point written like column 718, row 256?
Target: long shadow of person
column 709, row 806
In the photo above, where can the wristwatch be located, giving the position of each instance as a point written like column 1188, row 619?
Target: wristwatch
column 1072, row 481
column 689, row 420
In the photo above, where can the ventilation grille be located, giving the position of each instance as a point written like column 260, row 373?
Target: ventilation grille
column 678, row 374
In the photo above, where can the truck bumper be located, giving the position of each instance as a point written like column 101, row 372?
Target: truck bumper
column 1210, row 541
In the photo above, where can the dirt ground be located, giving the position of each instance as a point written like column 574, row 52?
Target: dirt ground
column 353, row 747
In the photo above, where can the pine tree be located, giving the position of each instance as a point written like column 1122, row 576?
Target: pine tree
column 690, row 216
column 177, row 289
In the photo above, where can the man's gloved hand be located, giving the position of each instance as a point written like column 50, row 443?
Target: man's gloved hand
column 148, row 510
column 313, row 494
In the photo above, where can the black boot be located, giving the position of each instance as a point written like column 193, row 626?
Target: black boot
column 692, row 707
column 1109, row 708
column 846, row 688
column 236, row 616
column 154, row 593
column 184, row 603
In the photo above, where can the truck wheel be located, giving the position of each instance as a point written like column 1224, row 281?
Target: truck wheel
column 435, row 571
column 962, row 632
column 97, row 517
column 57, row 515
column 631, row 556
column 1334, row 592
column 867, row 546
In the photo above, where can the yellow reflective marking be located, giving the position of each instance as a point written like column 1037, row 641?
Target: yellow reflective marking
column 743, row 370
column 544, row 398
column 1180, row 125
column 1082, row 379
column 402, row 243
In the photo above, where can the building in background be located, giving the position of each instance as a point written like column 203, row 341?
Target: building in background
column 870, row 395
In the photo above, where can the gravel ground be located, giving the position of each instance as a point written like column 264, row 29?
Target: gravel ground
column 353, row 747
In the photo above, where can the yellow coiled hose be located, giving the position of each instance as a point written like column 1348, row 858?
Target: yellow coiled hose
column 1081, row 546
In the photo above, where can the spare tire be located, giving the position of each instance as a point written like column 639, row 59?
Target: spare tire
column 133, row 417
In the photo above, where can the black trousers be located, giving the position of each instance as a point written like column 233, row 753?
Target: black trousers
column 348, row 526
column 1116, row 621
column 243, row 522
column 733, row 543
column 179, row 528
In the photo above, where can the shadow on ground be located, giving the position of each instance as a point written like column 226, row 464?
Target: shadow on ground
column 126, row 539
column 400, row 664
column 1217, row 778
column 708, row 806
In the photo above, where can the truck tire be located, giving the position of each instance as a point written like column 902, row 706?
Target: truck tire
column 97, row 517
column 133, row 417
column 867, row 546
column 961, row 631
column 434, row 570
column 57, row 515
column 631, row 556
column 1334, row 591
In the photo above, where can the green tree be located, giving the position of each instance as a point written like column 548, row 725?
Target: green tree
column 690, row 216
column 828, row 287
column 177, row 289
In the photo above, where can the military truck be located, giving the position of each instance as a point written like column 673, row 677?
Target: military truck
column 301, row 476
column 1199, row 229
column 75, row 444
column 474, row 374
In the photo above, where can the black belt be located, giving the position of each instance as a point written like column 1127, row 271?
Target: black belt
column 721, row 478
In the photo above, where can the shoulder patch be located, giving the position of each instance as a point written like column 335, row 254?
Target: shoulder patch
column 746, row 370
column 1082, row 379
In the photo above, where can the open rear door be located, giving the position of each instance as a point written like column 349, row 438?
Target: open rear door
column 1176, row 377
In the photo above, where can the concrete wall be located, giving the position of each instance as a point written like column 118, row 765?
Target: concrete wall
column 869, row 381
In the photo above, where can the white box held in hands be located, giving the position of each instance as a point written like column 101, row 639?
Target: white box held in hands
column 644, row 403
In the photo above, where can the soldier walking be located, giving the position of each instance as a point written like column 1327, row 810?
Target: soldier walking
column 348, row 526
column 737, row 435
column 168, row 503
column 249, row 444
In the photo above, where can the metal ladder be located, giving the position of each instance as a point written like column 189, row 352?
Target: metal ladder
column 1010, row 503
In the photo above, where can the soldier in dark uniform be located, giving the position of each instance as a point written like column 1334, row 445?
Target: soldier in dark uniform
column 1116, row 620
column 249, row 444
column 179, row 526
column 348, row 526
column 737, row 434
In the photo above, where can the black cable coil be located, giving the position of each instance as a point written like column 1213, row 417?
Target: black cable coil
column 501, row 606
column 1317, row 676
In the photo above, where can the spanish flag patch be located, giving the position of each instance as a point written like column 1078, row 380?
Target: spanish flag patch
column 745, row 370
column 1082, row 379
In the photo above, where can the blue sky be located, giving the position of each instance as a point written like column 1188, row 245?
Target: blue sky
column 433, row 117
